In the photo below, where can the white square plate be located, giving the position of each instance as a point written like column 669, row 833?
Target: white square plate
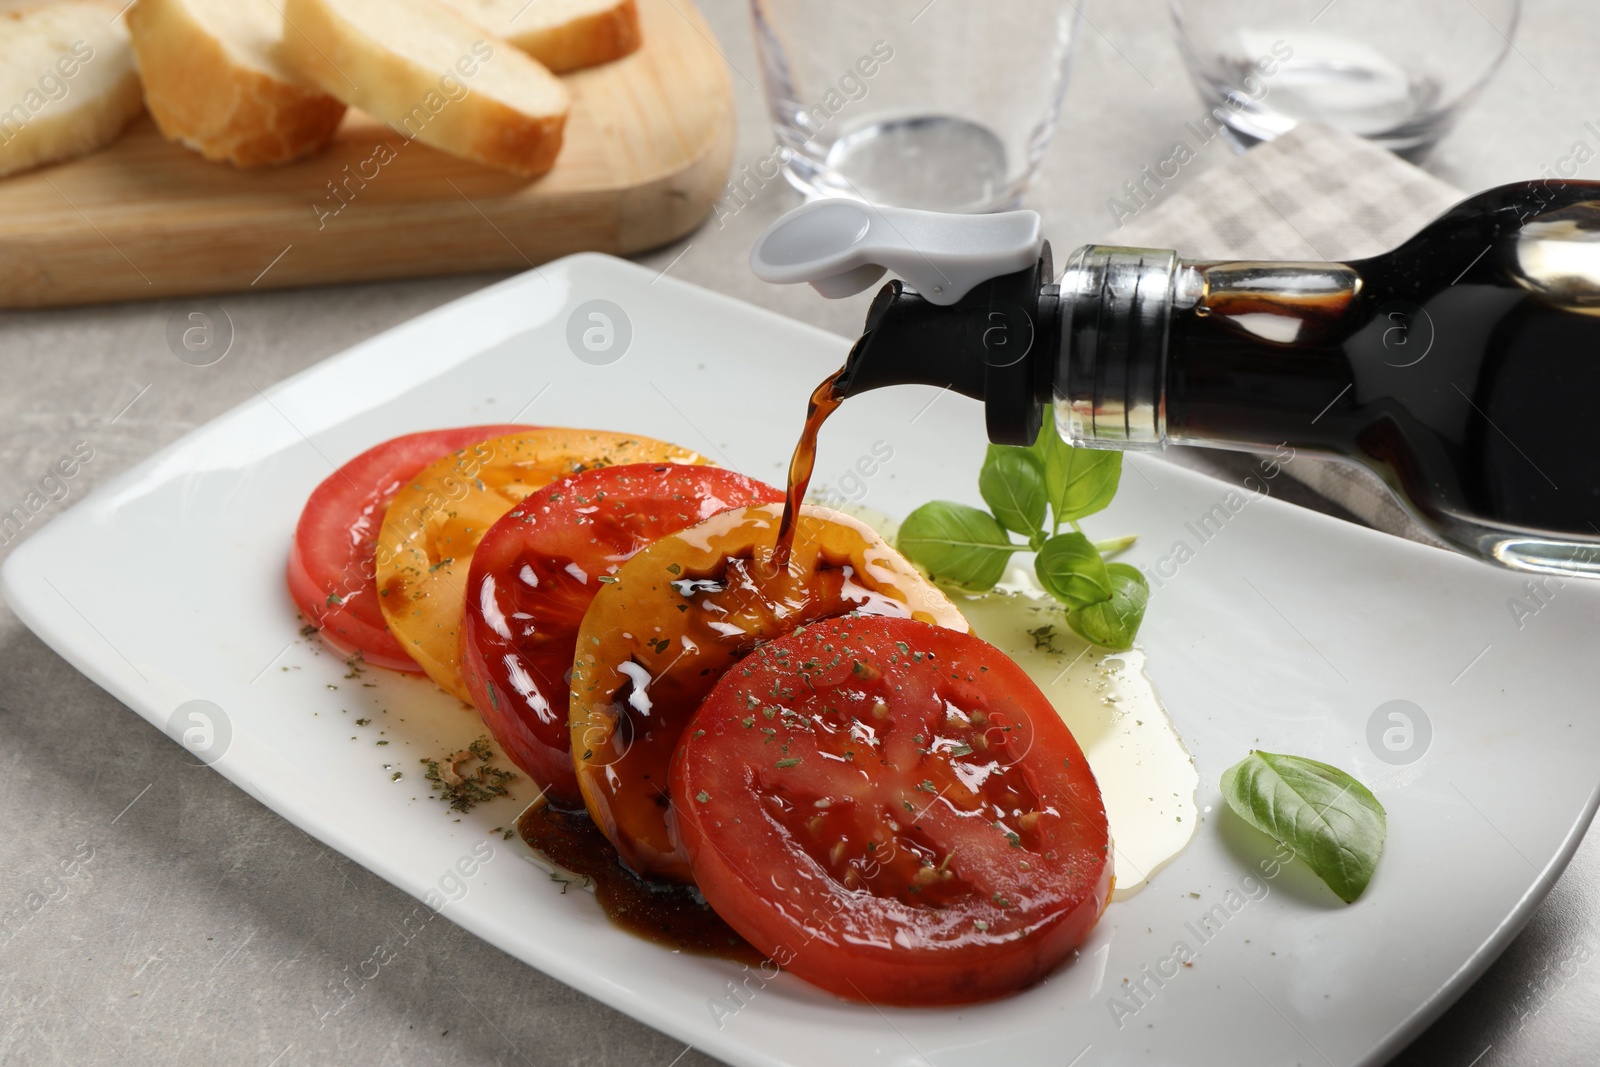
column 1286, row 630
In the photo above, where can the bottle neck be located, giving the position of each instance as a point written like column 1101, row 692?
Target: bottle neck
column 1110, row 379
column 1158, row 350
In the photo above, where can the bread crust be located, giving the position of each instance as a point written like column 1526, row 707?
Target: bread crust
column 587, row 41
column 350, row 62
column 202, row 97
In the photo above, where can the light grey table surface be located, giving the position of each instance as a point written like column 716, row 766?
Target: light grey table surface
column 205, row 929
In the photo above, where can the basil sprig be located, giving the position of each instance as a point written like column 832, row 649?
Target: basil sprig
column 1323, row 815
column 1034, row 492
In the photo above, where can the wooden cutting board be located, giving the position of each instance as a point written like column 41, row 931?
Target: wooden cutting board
column 648, row 146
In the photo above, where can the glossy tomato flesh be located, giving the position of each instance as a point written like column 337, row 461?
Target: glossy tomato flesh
column 332, row 575
column 680, row 614
column 533, row 577
column 894, row 812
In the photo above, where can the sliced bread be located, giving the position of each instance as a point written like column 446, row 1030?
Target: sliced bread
column 67, row 81
column 213, row 81
column 432, row 75
column 562, row 34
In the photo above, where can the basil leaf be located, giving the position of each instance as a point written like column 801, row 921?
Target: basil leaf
column 1012, row 484
column 1326, row 817
column 956, row 543
column 1080, row 481
column 1114, row 622
column 1072, row 571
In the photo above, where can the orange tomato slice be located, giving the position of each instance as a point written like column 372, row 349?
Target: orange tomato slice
column 425, row 546
column 679, row 615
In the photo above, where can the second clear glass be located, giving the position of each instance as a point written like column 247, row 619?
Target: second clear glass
column 945, row 105
column 1397, row 74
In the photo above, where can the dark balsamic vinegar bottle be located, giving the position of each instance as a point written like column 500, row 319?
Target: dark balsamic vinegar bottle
column 1463, row 367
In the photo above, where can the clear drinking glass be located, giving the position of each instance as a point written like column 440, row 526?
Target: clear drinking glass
column 1397, row 73
column 946, row 105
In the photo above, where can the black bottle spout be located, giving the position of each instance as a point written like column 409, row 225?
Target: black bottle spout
column 977, row 317
column 908, row 341
column 994, row 345
column 980, row 312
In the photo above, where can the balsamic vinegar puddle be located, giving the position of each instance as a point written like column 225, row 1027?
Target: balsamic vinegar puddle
column 1146, row 774
column 573, row 852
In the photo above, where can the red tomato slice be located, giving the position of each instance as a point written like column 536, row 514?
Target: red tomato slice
column 894, row 812
column 332, row 572
column 535, row 573
column 680, row 615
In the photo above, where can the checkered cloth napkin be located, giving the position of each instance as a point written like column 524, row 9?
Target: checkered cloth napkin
column 1315, row 193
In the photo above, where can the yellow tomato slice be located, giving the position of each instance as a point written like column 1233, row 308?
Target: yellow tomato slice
column 429, row 533
column 683, row 612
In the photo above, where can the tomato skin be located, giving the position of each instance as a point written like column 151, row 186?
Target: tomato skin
column 543, row 560
column 331, row 574
column 913, row 824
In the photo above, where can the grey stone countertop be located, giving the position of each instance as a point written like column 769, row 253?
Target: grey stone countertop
column 204, row 928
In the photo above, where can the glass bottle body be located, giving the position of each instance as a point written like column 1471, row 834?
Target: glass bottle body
column 1463, row 367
